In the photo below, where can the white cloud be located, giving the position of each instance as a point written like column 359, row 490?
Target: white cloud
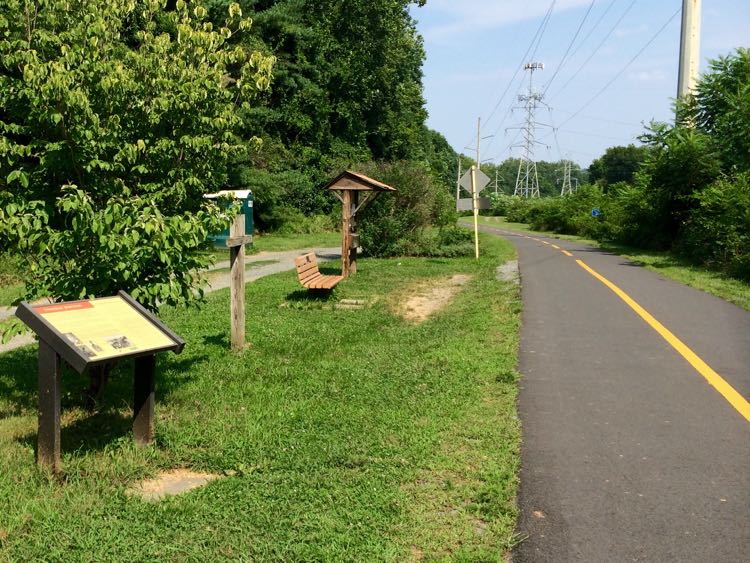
column 469, row 16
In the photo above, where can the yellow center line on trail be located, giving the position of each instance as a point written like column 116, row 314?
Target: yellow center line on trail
column 739, row 402
column 555, row 246
column 566, row 253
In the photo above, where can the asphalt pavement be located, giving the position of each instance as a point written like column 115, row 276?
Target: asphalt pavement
column 629, row 452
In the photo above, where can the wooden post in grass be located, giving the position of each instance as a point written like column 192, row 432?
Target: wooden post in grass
column 236, row 243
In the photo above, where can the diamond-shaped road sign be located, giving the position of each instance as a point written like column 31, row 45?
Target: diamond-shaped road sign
column 482, row 181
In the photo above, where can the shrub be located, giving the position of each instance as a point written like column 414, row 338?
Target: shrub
column 398, row 223
column 717, row 231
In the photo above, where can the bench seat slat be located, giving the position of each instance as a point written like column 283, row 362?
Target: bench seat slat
column 311, row 280
column 307, row 276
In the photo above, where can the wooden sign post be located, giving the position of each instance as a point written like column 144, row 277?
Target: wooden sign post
column 90, row 333
column 236, row 243
column 350, row 184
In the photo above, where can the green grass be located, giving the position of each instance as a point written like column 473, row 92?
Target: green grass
column 278, row 243
column 347, row 435
column 248, row 266
column 281, row 243
column 11, row 287
column 665, row 263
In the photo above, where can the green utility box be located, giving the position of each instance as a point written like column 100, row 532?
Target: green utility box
column 245, row 199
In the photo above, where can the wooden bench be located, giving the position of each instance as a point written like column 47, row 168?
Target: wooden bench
column 309, row 275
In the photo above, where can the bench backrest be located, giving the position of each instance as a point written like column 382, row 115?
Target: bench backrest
column 307, row 267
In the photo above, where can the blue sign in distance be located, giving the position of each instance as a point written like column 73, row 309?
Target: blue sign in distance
column 595, row 212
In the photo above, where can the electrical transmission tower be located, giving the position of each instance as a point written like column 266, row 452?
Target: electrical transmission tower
column 527, row 180
column 567, row 186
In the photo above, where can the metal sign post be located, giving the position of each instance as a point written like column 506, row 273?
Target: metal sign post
column 474, row 181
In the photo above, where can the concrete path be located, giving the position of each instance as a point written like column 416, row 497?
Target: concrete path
column 282, row 262
column 629, row 453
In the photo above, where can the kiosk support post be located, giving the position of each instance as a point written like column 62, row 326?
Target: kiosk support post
column 48, row 437
column 143, row 400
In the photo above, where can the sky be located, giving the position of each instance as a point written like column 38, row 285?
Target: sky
column 476, row 48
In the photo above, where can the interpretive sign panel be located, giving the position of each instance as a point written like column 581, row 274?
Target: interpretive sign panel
column 98, row 330
column 88, row 333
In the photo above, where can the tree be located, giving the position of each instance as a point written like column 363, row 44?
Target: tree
column 116, row 117
column 618, row 164
column 721, row 108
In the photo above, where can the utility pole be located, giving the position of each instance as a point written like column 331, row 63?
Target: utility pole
column 527, row 180
column 474, row 191
column 458, row 181
column 690, row 39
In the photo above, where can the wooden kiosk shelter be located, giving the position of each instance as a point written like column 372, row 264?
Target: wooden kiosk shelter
column 348, row 186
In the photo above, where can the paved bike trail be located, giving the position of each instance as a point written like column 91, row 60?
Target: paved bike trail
column 629, row 454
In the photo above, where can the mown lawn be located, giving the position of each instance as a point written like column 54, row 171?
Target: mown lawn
column 342, row 434
column 665, row 263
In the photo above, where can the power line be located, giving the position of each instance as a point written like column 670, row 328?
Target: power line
column 570, row 46
column 631, row 61
column 596, row 49
column 524, row 58
column 593, row 28
column 603, row 119
column 536, row 38
column 545, row 23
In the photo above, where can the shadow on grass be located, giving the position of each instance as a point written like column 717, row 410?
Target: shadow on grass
column 220, row 340
column 310, row 296
column 90, row 434
column 112, row 416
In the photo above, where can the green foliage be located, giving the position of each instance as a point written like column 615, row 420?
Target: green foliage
column 549, row 173
column 722, row 108
column 346, row 89
column 400, row 223
column 117, row 116
column 717, row 231
column 618, row 164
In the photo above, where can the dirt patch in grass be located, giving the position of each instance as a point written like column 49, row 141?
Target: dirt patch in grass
column 170, row 483
column 426, row 299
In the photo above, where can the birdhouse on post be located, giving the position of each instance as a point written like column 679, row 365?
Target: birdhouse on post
column 355, row 191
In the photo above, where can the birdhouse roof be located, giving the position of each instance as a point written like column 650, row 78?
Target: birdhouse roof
column 349, row 180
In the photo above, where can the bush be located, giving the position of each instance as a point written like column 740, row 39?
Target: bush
column 297, row 223
column 398, row 224
column 717, row 232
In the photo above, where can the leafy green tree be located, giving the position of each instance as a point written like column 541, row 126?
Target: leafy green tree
column 116, row 116
column 617, row 164
column 721, row 108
